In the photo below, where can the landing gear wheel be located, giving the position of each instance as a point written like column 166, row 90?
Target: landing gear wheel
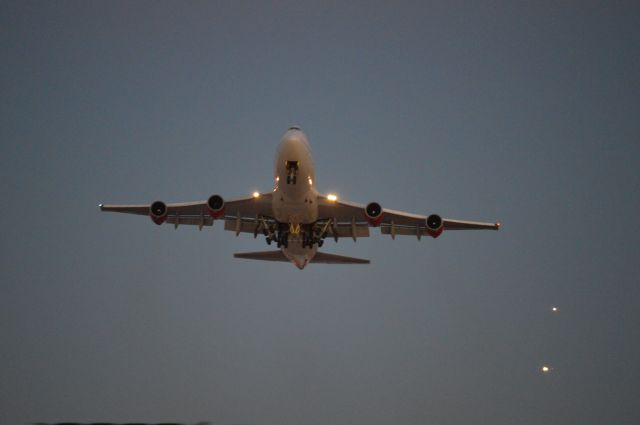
column 268, row 239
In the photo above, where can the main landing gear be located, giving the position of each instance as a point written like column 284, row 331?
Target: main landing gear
column 309, row 234
column 279, row 235
column 310, row 239
column 281, row 240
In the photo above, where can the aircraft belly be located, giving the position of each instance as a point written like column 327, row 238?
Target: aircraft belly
column 294, row 198
column 297, row 212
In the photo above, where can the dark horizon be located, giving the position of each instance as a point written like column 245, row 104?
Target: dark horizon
column 526, row 114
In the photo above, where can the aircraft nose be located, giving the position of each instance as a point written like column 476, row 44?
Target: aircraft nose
column 291, row 141
column 293, row 138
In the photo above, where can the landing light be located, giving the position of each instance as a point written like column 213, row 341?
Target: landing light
column 332, row 197
column 310, row 181
column 256, row 194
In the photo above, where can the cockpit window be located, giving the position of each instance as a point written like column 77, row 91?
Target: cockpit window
column 294, row 127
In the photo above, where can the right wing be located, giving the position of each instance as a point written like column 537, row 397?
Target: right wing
column 351, row 217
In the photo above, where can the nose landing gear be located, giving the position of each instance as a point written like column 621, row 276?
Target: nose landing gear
column 292, row 171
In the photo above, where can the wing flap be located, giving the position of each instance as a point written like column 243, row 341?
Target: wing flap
column 191, row 220
column 347, row 230
column 403, row 230
column 244, row 225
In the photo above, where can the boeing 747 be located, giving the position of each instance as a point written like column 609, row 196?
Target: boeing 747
column 295, row 216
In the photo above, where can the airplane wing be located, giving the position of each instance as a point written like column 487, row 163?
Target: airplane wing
column 245, row 210
column 392, row 222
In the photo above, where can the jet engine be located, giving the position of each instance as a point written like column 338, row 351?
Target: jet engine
column 158, row 212
column 215, row 204
column 435, row 225
column 374, row 213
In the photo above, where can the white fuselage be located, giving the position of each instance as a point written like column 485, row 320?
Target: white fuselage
column 295, row 199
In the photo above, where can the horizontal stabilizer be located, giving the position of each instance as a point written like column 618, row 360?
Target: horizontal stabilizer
column 262, row 255
column 325, row 258
column 319, row 258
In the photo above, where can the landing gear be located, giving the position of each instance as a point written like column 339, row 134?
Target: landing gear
column 307, row 235
column 283, row 239
column 312, row 236
column 292, row 170
column 307, row 241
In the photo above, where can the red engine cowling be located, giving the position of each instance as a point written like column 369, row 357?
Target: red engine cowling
column 215, row 205
column 374, row 213
column 158, row 212
column 435, row 225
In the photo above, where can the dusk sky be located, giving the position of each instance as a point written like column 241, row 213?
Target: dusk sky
column 527, row 113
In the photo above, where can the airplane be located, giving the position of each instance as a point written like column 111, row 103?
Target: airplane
column 295, row 215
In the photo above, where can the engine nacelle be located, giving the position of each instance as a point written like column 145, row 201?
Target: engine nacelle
column 215, row 205
column 374, row 213
column 435, row 225
column 158, row 212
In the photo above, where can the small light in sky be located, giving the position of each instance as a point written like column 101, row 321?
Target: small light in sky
column 545, row 369
column 555, row 309
column 332, row 197
column 256, row 194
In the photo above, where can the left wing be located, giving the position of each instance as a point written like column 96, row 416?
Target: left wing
column 251, row 210
column 392, row 222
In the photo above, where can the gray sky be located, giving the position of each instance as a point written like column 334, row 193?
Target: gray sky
column 526, row 113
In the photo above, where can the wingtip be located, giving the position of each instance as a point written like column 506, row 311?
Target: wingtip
column 498, row 226
column 100, row 206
